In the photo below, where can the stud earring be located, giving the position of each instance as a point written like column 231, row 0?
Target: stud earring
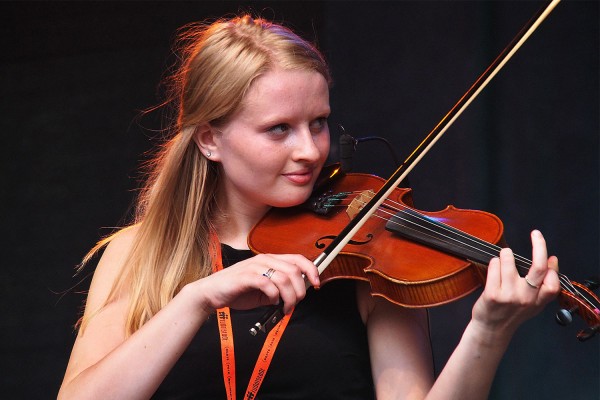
column 208, row 154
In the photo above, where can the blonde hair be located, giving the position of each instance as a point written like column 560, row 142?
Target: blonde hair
column 176, row 206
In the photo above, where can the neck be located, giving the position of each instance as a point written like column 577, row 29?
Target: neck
column 234, row 225
column 234, row 232
column 236, row 216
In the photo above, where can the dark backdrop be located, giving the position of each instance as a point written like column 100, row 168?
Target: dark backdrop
column 75, row 74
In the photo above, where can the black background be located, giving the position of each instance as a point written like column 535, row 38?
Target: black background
column 75, row 75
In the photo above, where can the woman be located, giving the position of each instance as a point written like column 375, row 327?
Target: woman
column 252, row 134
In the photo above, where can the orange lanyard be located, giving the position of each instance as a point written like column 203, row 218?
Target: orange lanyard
column 227, row 348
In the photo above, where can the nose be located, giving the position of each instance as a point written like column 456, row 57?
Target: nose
column 309, row 147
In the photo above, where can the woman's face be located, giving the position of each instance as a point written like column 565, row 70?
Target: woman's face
column 273, row 148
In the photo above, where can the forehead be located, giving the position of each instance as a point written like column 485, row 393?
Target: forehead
column 287, row 90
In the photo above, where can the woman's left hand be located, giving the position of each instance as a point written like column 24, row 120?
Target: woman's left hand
column 508, row 299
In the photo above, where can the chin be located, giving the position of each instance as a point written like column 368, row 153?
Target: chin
column 291, row 200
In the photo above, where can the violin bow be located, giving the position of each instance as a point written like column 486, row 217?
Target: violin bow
column 272, row 317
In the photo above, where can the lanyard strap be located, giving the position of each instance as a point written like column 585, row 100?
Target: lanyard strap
column 227, row 347
column 227, row 353
column 265, row 357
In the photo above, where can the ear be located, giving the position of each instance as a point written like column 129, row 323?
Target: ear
column 205, row 139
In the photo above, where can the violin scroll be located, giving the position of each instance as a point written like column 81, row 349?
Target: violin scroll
column 577, row 298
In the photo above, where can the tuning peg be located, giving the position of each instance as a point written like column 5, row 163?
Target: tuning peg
column 592, row 283
column 588, row 333
column 564, row 317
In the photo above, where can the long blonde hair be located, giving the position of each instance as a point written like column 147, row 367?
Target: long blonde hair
column 177, row 204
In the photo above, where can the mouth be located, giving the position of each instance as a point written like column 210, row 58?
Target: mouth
column 302, row 177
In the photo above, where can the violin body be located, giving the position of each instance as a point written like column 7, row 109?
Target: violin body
column 427, row 270
column 402, row 271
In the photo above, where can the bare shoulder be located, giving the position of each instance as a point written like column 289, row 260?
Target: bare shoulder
column 117, row 250
column 111, row 265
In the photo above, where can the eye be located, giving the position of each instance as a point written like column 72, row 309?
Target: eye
column 318, row 125
column 279, row 130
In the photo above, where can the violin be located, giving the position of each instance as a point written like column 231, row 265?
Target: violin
column 409, row 257
column 455, row 243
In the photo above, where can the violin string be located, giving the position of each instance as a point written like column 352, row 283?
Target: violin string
column 437, row 234
column 465, row 239
column 494, row 249
column 565, row 282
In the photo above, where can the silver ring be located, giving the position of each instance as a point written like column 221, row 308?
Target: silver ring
column 269, row 273
column 531, row 284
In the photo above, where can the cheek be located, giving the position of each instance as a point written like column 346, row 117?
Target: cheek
column 253, row 164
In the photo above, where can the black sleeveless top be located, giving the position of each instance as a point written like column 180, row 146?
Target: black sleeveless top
column 323, row 353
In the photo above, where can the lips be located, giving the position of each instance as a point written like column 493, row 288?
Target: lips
column 300, row 177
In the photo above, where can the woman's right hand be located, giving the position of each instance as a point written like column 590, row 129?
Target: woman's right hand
column 245, row 285
column 105, row 363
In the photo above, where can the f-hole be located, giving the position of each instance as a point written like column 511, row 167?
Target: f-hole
column 320, row 245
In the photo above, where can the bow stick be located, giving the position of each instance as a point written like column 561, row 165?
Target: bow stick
column 333, row 249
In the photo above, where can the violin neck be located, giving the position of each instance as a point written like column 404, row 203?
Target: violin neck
column 425, row 230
